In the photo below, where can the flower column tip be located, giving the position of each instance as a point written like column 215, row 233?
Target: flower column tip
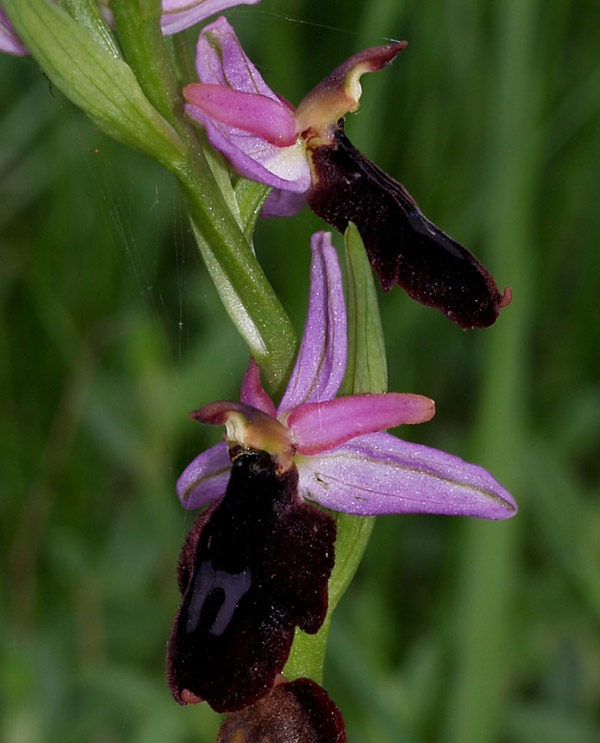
column 339, row 93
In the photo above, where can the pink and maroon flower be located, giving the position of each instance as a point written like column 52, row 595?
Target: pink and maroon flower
column 305, row 156
column 257, row 562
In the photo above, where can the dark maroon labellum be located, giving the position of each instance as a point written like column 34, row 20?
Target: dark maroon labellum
column 404, row 247
column 253, row 568
column 299, row 712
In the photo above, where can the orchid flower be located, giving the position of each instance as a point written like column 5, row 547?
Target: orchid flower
column 257, row 561
column 305, row 155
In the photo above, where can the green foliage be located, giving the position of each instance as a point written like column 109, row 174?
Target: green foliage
column 453, row 631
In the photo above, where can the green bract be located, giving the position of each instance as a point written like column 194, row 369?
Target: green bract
column 93, row 78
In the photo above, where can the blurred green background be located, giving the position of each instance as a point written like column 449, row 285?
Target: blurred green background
column 454, row 630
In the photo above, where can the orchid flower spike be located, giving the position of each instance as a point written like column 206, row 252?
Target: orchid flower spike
column 305, row 155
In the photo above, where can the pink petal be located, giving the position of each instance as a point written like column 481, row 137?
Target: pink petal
column 255, row 113
column 379, row 473
column 321, row 362
column 180, row 14
column 253, row 393
column 317, row 427
column 205, row 479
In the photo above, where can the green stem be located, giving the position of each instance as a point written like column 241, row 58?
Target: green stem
column 144, row 47
column 249, row 299
column 247, row 295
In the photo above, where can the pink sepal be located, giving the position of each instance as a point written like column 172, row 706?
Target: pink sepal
column 321, row 362
column 379, row 474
